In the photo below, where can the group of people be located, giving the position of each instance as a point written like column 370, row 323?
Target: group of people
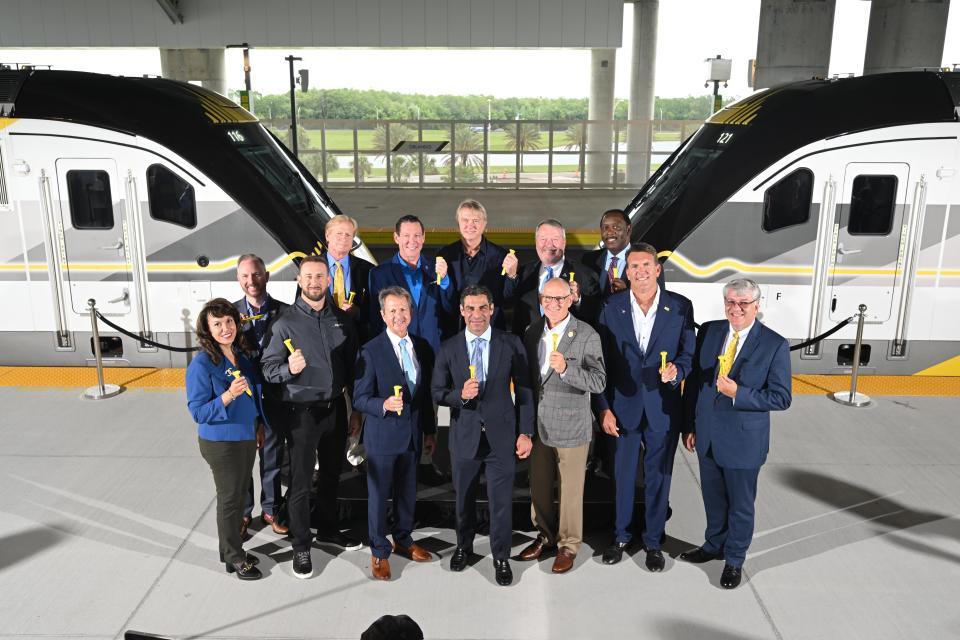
column 597, row 352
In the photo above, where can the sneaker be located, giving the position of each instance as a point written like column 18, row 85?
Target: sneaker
column 302, row 565
column 339, row 539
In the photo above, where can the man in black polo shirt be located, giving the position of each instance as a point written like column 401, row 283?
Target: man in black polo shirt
column 310, row 352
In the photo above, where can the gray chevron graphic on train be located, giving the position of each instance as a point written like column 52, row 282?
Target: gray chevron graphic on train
column 141, row 192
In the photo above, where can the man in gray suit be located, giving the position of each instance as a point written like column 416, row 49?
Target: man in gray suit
column 566, row 362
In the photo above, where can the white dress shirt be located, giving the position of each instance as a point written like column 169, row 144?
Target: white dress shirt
column 643, row 322
column 546, row 343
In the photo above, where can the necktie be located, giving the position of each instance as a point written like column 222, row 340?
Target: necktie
column 339, row 287
column 407, row 364
column 545, row 281
column 612, row 272
column 729, row 354
column 476, row 359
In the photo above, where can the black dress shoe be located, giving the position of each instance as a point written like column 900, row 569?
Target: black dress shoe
column 252, row 559
column 245, row 570
column 699, row 556
column 614, row 553
column 503, row 571
column 339, row 539
column 655, row 561
column 459, row 559
column 730, row 579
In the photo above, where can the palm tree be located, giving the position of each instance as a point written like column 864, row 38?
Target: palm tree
column 398, row 132
column 466, row 140
column 576, row 140
column 365, row 166
column 522, row 136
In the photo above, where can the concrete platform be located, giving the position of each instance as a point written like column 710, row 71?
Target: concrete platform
column 109, row 526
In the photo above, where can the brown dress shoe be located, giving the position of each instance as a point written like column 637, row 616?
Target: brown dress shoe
column 414, row 552
column 380, row 568
column 279, row 529
column 534, row 550
column 564, row 560
column 244, row 535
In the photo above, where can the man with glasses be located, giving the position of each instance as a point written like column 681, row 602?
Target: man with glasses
column 648, row 344
column 551, row 245
column 741, row 372
column 566, row 366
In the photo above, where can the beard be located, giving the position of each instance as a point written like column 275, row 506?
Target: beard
column 314, row 297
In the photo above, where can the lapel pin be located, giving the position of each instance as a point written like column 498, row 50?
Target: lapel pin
column 570, row 334
column 666, row 308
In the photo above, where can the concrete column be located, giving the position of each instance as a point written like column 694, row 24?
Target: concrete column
column 187, row 65
column 793, row 41
column 603, row 64
column 642, row 73
column 905, row 34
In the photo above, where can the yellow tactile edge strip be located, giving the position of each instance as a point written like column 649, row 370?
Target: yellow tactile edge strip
column 74, row 377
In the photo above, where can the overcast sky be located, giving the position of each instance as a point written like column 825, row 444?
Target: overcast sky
column 689, row 32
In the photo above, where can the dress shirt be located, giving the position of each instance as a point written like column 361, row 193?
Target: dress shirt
column 486, row 346
column 345, row 265
column 643, row 323
column 546, row 343
column 621, row 261
column 743, row 338
column 395, row 341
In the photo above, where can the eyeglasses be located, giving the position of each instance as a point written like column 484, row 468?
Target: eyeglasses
column 743, row 305
column 555, row 299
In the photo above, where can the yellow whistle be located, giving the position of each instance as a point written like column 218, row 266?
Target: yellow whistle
column 246, row 319
column 289, row 344
column 396, row 392
column 571, row 276
column 616, row 273
column 350, row 299
column 556, row 339
column 473, row 372
column 503, row 272
column 663, row 360
column 236, row 374
column 438, row 275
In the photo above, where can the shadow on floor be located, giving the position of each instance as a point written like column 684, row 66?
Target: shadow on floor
column 18, row 547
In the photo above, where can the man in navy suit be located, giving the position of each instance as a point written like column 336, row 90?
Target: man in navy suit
column 609, row 264
column 473, row 259
column 349, row 275
column 395, row 426
column 641, row 330
column 741, row 372
column 472, row 377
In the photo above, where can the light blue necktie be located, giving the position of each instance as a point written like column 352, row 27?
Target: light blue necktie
column 476, row 359
column 545, row 281
column 407, row 362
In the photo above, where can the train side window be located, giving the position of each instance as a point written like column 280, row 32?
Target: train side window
column 91, row 205
column 872, row 205
column 171, row 197
column 787, row 203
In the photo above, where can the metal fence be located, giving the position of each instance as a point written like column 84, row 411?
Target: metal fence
column 517, row 154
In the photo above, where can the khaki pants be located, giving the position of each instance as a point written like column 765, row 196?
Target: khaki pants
column 545, row 464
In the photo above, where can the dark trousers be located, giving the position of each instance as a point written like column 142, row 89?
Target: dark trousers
column 309, row 427
column 728, row 499
column 271, row 456
column 655, row 451
column 231, row 463
column 391, row 476
column 499, row 470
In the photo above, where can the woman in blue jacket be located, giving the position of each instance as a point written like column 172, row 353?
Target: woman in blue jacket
column 223, row 395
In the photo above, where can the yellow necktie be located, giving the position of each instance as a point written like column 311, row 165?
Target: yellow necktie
column 729, row 354
column 339, row 289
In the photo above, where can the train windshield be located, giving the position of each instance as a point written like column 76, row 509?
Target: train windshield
column 663, row 189
column 258, row 148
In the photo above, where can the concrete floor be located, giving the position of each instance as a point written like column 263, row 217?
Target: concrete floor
column 109, row 526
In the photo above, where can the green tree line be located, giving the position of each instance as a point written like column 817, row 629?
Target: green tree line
column 354, row 104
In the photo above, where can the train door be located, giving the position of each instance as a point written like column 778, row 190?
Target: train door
column 871, row 213
column 96, row 239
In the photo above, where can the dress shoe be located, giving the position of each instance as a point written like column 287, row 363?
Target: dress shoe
column 564, row 560
column 730, row 578
column 245, row 570
column 429, row 475
column 279, row 529
column 503, row 572
column 414, row 552
column 614, row 553
column 459, row 559
column 302, row 564
column 655, row 561
column 535, row 549
column 699, row 556
column 244, row 524
column 380, row 568
column 252, row 559
column 337, row 538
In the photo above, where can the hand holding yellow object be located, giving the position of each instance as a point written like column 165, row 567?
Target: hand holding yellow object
column 236, row 374
column 352, row 295
column 663, row 360
column 473, row 372
column 289, row 343
column 396, row 392
column 503, row 271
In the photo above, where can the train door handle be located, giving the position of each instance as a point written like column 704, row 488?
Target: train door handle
column 114, row 247
column 124, row 298
column 847, row 252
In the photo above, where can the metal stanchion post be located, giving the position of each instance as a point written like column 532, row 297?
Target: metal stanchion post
column 101, row 391
column 852, row 398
